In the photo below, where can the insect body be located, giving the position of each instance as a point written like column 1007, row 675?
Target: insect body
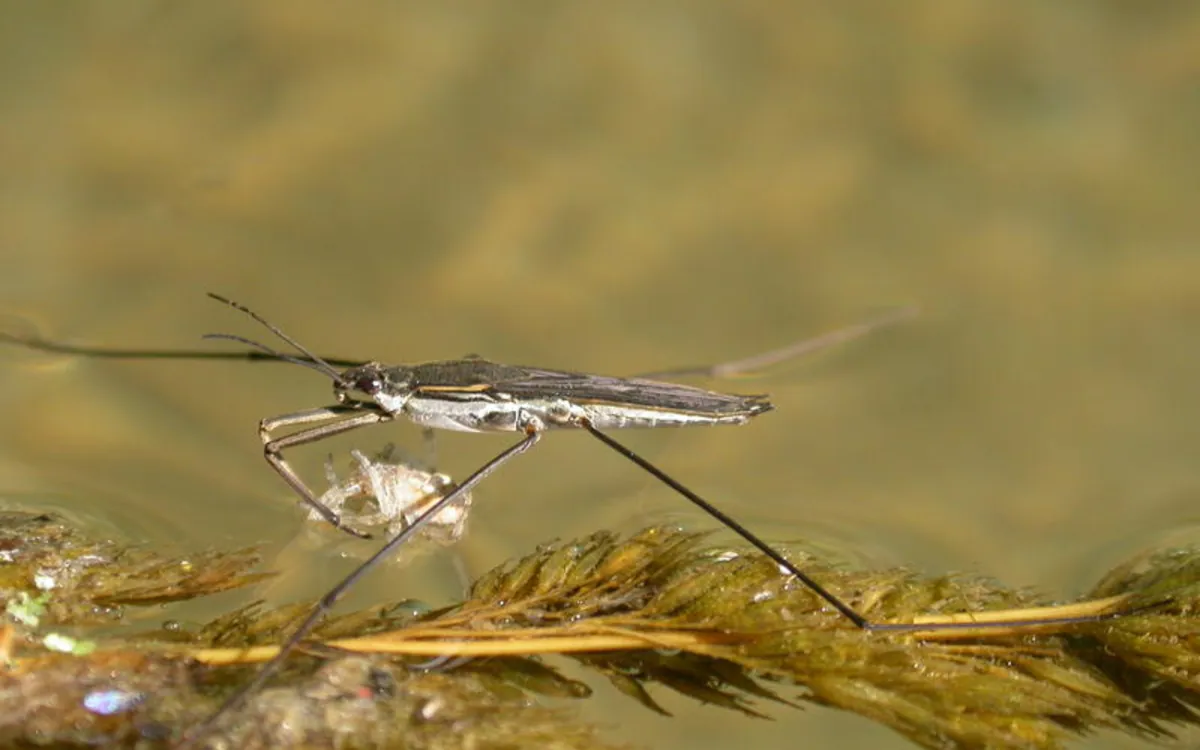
column 475, row 395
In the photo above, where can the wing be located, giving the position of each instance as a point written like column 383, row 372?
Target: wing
column 492, row 380
column 530, row 382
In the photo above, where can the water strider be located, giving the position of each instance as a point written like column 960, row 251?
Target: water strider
column 477, row 395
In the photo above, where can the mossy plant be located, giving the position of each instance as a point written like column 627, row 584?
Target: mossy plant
column 663, row 609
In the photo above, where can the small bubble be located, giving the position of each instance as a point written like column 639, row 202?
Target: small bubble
column 113, row 701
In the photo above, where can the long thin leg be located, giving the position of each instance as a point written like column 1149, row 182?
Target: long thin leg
column 845, row 609
column 784, row 353
column 722, row 370
column 351, row 418
column 334, row 594
column 100, row 352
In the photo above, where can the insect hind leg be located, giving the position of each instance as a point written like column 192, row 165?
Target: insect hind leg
column 842, row 607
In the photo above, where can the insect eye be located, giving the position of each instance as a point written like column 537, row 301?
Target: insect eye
column 369, row 384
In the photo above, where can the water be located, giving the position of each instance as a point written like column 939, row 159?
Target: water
column 618, row 189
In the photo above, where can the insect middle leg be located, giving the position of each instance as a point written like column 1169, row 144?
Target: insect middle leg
column 348, row 417
column 530, row 439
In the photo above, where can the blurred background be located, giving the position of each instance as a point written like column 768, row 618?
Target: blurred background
column 616, row 188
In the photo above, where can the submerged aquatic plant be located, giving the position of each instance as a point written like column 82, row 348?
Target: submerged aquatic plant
column 663, row 609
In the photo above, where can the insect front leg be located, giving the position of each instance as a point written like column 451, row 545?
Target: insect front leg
column 347, row 417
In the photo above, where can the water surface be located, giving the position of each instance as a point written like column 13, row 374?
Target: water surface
column 618, row 188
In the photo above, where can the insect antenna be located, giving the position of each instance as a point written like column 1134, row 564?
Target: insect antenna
column 315, row 362
column 272, row 353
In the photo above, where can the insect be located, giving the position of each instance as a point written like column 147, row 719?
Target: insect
column 477, row 395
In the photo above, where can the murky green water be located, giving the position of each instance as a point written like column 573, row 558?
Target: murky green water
column 623, row 187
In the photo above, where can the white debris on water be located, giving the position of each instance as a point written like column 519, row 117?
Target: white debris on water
column 394, row 491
